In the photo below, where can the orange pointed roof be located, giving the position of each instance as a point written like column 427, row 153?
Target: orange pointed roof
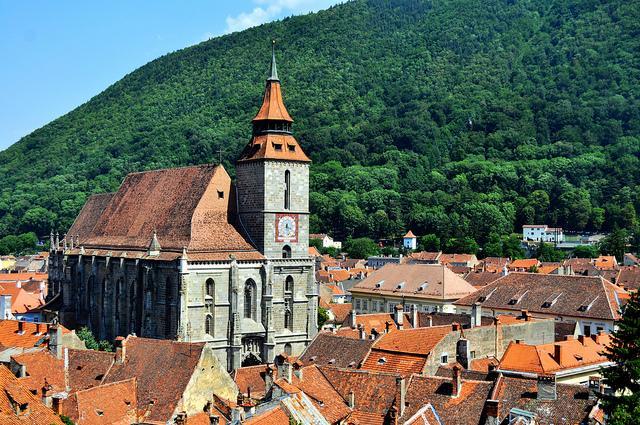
column 409, row 235
column 272, row 105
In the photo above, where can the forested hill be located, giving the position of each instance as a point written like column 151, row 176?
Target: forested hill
column 457, row 118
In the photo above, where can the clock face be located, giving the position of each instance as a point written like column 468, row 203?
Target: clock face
column 286, row 227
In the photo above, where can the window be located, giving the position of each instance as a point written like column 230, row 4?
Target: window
column 250, row 299
column 292, row 148
column 288, row 303
column 286, row 251
column 209, row 295
column 357, row 305
column 472, row 354
column 287, row 349
column 220, row 194
column 208, row 325
column 365, row 305
column 277, row 146
column 287, row 189
column 209, row 288
column 288, row 284
column 587, row 330
column 444, row 359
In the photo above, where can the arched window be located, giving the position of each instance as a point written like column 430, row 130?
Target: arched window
column 250, row 299
column 287, row 349
column 288, row 284
column 287, row 190
column 286, row 251
column 209, row 295
column 208, row 325
column 209, row 288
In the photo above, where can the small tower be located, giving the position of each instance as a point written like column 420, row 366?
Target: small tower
column 273, row 180
column 410, row 241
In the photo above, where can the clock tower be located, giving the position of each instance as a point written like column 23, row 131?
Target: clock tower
column 273, row 180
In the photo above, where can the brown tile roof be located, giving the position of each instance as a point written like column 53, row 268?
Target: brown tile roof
column 574, row 353
column 89, row 215
column 88, row 367
column 345, row 352
column 629, row 278
column 375, row 321
column 560, row 295
column 571, row 406
column 340, row 311
column 322, row 394
column 109, row 404
column 424, row 256
column 456, row 258
column 374, row 392
column 162, row 369
column 481, row 278
column 181, row 204
column 42, row 367
column 459, row 270
column 438, row 319
column 465, row 409
column 273, row 146
column 401, row 363
column 313, row 252
column 494, row 264
column 547, row 268
column 430, row 281
column 12, row 392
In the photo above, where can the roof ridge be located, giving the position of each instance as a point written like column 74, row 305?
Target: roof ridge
column 184, row 167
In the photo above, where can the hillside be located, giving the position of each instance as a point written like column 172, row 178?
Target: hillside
column 461, row 118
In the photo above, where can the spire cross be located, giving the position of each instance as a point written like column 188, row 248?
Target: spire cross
column 274, row 69
column 220, row 150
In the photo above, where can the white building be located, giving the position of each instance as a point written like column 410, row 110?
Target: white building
column 542, row 233
column 410, row 241
column 327, row 241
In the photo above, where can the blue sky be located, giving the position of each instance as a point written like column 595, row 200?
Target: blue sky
column 56, row 55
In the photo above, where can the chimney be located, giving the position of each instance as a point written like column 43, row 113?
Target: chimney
column 525, row 315
column 387, row 326
column 66, row 370
column 297, row 370
column 462, row 352
column 491, row 410
column 19, row 284
column 38, row 328
column 56, row 405
column 599, row 337
column 476, row 315
column 457, row 381
column 20, row 327
column 546, row 387
column 595, row 387
column 353, row 317
column 284, row 367
column 414, row 322
column 581, row 339
column 268, row 379
column 121, row 350
column 393, row 415
column 560, row 354
column 352, row 399
column 505, row 270
column 361, row 333
column 402, row 387
column 399, row 316
column 214, row 419
column 55, row 341
column 5, row 306
column 429, row 321
column 455, row 326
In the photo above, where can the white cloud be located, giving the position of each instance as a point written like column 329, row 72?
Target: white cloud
column 268, row 10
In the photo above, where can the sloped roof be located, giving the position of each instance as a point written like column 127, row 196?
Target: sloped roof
column 12, row 391
column 21, row 300
column 629, row 278
column 281, row 146
column 275, row 416
column 424, row 256
column 575, row 296
column 340, row 311
column 192, row 207
column 272, row 107
column 89, row 215
column 162, row 369
column 430, row 281
column 11, row 337
column 345, row 352
column 375, row 321
column 481, row 278
column 251, row 379
column 106, row 404
column 409, row 235
column 523, row 263
column 574, row 353
column 456, row 258
column 606, row 262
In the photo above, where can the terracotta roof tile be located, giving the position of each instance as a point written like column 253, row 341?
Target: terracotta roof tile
column 109, row 404
column 322, row 394
column 524, row 264
column 375, row 321
column 251, row 379
column 457, row 258
column 275, row 416
column 409, row 235
column 482, row 278
column 606, row 262
column 11, row 337
column 272, row 107
column 89, row 215
column 412, row 341
column 21, row 300
column 401, row 363
column 274, row 146
column 629, row 278
column 11, row 392
column 340, row 311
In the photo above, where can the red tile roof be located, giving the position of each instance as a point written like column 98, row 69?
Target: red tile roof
column 375, row 321
column 481, row 278
column 409, row 235
column 606, row 262
column 328, row 349
column 272, row 107
column 108, row 404
column 21, row 300
column 274, row 146
column 275, row 416
column 629, row 278
column 322, row 394
column 456, row 258
column 251, row 379
column 11, row 337
column 524, row 264
column 12, row 392
column 340, row 311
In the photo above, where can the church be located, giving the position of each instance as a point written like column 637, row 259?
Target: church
column 186, row 254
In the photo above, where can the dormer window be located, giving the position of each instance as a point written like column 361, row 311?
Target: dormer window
column 292, row 148
column 277, row 147
column 517, row 298
column 379, row 284
column 399, row 286
column 382, row 360
column 423, row 287
column 549, row 302
column 486, row 297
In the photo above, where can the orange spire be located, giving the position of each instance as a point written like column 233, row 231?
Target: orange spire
column 273, row 108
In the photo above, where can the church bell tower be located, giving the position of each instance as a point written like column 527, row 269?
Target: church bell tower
column 273, row 180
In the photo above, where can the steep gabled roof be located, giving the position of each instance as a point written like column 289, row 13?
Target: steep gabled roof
column 106, row 404
column 192, row 207
column 329, row 349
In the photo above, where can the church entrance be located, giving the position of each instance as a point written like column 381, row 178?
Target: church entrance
column 252, row 350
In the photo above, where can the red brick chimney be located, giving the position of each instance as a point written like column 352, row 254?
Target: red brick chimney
column 525, row 315
column 457, row 381
column 121, row 349
column 20, row 327
column 399, row 316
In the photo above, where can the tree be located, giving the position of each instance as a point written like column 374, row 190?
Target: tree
column 464, row 245
column 90, row 341
column 429, row 243
column 615, row 244
column 323, row 316
column 624, row 377
column 585, row 251
column 512, row 246
column 547, row 253
column 361, row 248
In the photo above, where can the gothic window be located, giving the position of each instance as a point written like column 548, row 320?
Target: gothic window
column 287, row 349
column 209, row 295
column 208, row 325
column 250, row 299
column 168, row 308
column 286, row 251
column 287, row 189
column 288, row 303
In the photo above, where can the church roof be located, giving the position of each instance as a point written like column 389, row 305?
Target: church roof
column 274, row 146
column 192, row 207
column 272, row 105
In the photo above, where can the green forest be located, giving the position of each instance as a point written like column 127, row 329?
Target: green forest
column 462, row 120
